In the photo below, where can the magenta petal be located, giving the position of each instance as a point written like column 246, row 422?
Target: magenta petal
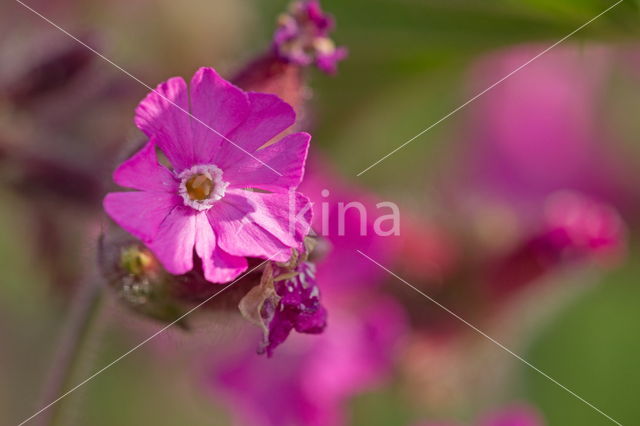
column 288, row 157
column 140, row 213
column 218, row 266
column 240, row 237
column 174, row 242
column 257, row 225
column 142, row 171
column 225, row 267
column 164, row 114
column 287, row 216
column 268, row 117
column 221, row 106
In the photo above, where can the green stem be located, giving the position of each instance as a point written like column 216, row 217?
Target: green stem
column 73, row 343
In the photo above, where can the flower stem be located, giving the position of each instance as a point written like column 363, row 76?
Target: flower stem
column 73, row 344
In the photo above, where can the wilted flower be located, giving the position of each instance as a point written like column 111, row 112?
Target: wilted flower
column 225, row 196
column 298, row 307
column 303, row 38
column 288, row 298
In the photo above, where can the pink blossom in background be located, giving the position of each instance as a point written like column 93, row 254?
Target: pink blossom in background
column 573, row 228
column 343, row 269
column 584, row 227
column 539, row 131
column 203, row 201
column 532, row 138
column 309, row 379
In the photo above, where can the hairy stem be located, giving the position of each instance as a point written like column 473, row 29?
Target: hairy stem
column 73, row 342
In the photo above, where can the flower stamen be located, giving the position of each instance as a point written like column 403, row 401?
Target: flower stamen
column 201, row 186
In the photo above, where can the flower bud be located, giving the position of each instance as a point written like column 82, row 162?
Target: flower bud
column 301, row 40
column 138, row 279
column 145, row 287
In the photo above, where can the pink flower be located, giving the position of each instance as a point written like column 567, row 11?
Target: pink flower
column 205, row 200
column 303, row 38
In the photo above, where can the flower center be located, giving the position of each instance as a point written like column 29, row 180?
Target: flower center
column 201, row 186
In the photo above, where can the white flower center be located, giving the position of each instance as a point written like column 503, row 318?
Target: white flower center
column 201, row 186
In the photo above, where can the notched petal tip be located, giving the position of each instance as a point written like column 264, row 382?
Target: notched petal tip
column 163, row 97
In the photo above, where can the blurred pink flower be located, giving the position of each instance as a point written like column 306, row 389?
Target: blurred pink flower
column 540, row 130
column 203, row 201
column 541, row 182
column 574, row 228
column 308, row 380
column 584, row 227
column 343, row 270
column 302, row 37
